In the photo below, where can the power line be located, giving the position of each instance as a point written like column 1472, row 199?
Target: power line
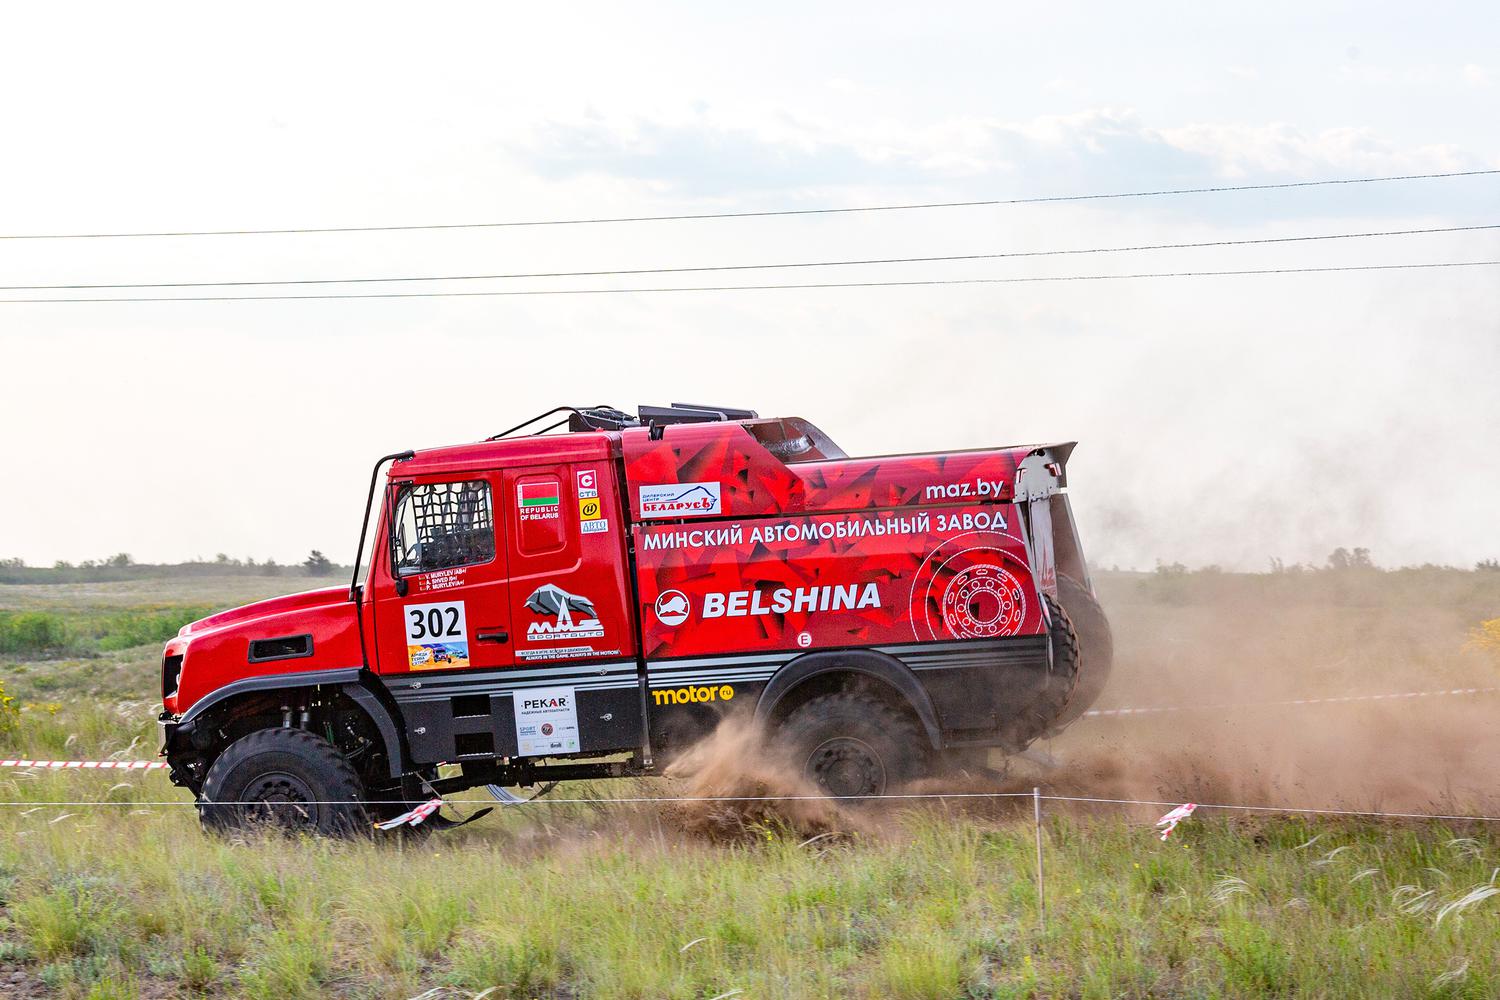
column 759, row 288
column 755, row 215
column 753, row 267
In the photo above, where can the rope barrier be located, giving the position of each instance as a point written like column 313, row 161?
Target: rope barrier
column 141, row 765
column 156, row 765
column 679, row 799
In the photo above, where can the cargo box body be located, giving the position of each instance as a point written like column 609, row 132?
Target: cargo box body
column 748, row 562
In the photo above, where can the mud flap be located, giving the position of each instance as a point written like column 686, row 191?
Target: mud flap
column 444, row 823
column 427, row 813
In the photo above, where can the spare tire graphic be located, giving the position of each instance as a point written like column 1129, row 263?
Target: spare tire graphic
column 968, row 588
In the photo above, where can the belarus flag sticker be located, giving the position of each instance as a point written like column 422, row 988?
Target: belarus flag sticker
column 539, row 501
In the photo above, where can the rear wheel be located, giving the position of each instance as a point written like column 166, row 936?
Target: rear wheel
column 853, row 744
column 1049, row 706
column 1094, row 639
column 283, row 779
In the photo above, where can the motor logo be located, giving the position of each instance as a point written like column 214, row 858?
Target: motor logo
column 693, row 695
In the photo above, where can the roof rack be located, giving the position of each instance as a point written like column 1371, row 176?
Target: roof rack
column 691, row 413
column 607, row 418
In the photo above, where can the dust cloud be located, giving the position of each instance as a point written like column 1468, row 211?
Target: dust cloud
column 1225, row 645
column 757, row 786
column 1239, row 642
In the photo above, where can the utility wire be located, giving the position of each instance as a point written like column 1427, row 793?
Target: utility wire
column 758, row 288
column 756, row 215
column 753, row 267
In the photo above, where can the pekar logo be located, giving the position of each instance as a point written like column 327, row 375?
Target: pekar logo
column 551, row 600
column 681, row 500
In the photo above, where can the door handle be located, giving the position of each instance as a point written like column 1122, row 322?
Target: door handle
column 492, row 635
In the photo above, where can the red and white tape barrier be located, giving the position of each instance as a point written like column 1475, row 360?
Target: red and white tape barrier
column 1294, row 701
column 412, row 817
column 90, row 765
column 1169, row 822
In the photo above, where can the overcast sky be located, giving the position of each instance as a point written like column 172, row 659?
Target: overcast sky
column 1222, row 420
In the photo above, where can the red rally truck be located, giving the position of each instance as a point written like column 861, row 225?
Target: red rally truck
column 588, row 603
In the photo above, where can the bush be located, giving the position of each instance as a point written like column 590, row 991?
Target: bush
column 133, row 628
column 10, row 714
column 33, row 632
column 40, row 634
column 1486, row 636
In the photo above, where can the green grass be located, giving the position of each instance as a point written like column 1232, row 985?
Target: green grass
column 132, row 900
column 939, row 905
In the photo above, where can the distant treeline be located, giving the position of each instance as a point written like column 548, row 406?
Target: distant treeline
column 1340, row 560
column 122, row 567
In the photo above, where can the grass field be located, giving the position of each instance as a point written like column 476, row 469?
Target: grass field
column 592, row 900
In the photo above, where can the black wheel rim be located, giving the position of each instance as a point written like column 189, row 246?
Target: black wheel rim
column 281, row 799
column 847, row 766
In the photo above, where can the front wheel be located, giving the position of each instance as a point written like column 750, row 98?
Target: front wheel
column 854, row 745
column 283, row 779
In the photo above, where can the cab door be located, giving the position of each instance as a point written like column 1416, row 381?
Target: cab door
column 442, row 596
column 565, row 551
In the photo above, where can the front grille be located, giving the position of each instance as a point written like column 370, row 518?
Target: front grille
column 171, row 673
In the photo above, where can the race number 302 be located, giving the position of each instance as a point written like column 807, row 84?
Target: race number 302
column 433, row 623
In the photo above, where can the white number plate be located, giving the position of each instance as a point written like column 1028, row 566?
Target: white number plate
column 437, row 635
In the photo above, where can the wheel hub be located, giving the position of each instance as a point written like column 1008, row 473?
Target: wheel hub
column 846, row 765
column 281, row 799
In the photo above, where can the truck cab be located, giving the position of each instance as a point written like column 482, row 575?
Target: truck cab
column 589, row 603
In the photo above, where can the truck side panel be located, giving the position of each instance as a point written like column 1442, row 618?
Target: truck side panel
column 834, row 580
column 946, row 591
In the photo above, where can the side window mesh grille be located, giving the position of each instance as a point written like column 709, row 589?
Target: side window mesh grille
column 444, row 525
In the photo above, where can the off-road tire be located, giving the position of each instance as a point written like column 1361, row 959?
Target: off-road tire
column 853, row 744
column 1041, row 716
column 283, row 779
column 1096, row 641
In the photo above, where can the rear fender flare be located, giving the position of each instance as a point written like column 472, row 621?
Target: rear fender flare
column 881, row 667
column 348, row 680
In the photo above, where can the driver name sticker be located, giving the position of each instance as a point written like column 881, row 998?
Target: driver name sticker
column 437, row 635
column 546, row 721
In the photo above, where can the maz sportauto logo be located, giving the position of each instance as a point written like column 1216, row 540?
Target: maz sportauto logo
column 681, row 500
column 548, row 600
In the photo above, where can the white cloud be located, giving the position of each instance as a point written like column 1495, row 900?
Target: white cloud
column 1239, row 150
